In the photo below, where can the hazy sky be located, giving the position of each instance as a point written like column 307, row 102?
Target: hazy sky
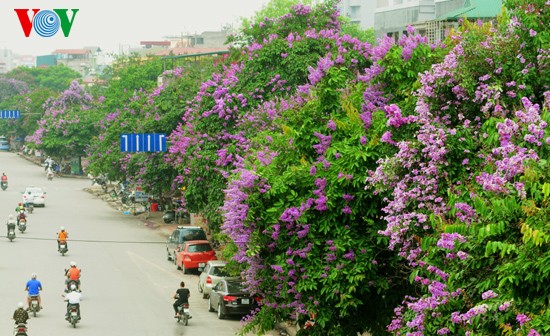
column 112, row 24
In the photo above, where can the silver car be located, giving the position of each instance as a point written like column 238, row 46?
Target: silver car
column 213, row 272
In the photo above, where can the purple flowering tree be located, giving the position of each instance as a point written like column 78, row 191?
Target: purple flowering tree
column 466, row 188
column 68, row 124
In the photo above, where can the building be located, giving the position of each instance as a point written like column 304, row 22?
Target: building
column 86, row 61
column 6, row 60
column 361, row 12
column 77, row 59
column 205, row 43
column 430, row 17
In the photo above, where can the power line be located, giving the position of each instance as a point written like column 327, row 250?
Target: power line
column 94, row 241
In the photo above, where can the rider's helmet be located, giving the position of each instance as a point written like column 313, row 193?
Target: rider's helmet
column 20, row 203
column 20, row 305
column 73, row 263
column 62, row 228
column 73, row 287
column 33, row 275
column 10, row 217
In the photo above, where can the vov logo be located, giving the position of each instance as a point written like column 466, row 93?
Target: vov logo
column 46, row 23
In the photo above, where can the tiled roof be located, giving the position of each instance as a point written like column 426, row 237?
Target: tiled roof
column 475, row 9
column 155, row 43
column 71, row 51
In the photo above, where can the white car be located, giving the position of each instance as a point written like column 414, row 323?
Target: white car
column 34, row 195
column 213, row 272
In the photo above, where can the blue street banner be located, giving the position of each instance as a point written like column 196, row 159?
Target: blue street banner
column 10, row 114
column 143, row 142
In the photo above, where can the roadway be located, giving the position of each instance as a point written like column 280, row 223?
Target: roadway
column 127, row 284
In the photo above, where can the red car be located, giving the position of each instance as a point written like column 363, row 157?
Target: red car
column 194, row 254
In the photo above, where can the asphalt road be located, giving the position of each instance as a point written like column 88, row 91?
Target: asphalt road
column 127, row 284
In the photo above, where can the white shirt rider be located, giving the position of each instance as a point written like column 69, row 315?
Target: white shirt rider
column 73, row 297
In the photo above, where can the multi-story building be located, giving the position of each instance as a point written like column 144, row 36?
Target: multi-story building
column 86, row 61
column 430, row 17
column 6, row 60
column 360, row 12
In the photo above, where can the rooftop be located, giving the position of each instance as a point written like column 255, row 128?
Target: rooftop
column 475, row 9
column 72, row 51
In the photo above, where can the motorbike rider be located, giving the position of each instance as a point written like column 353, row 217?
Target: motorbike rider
column 29, row 199
column 19, row 207
column 73, row 274
column 73, row 299
column 62, row 237
column 4, row 178
column 10, row 224
column 48, row 162
column 20, row 315
column 182, row 296
column 33, row 288
column 21, row 215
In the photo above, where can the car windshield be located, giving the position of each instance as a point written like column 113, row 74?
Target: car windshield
column 199, row 248
column 193, row 235
column 236, row 287
column 219, row 271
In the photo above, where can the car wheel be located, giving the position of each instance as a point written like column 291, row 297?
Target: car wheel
column 168, row 255
column 210, row 309
column 174, row 258
column 185, row 270
column 199, row 286
column 178, row 266
column 205, row 296
column 221, row 315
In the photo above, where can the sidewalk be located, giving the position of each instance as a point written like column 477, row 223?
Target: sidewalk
column 38, row 161
column 152, row 221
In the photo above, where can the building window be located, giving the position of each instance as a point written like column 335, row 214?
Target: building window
column 354, row 12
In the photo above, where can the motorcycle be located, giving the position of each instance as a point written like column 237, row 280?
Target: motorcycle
column 73, row 317
column 30, row 207
column 183, row 314
column 4, row 185
column 22, row 226
column 63, row 248
column 20, row 329
column 35, row 307
column 66, row 169
column 70, row 283
column 100, row 180
column 11, row 233
column 21, row 216
column 50, row 175
column 171, row 215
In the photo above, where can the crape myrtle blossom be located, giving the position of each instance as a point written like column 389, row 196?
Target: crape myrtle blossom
column 520, row 135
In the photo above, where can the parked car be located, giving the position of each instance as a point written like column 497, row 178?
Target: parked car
column 194, row 254
column 180, row 236
column 213, row 272
column 38, row 196
column 229, row 297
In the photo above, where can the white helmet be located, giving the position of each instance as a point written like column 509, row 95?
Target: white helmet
column 73, row 287
column 62, row 228
column 20, row 305
column 33, row 275
column 73, row 263
column 10, row 216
